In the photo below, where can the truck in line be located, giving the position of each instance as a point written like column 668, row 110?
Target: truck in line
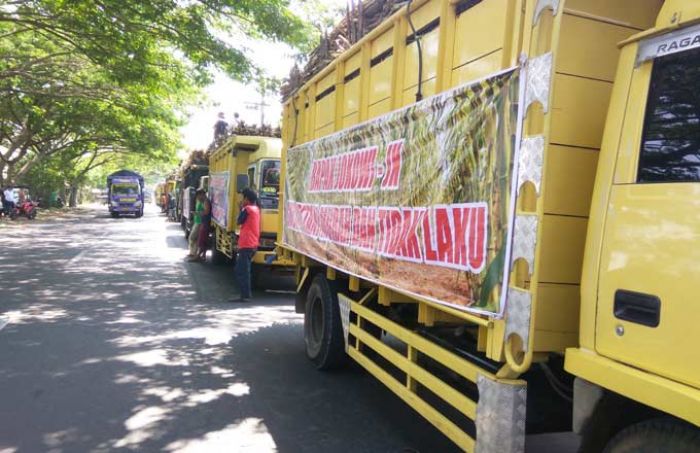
column 191, row 175
column 158, row 194
column 170, row 195
column 246, row 161
column 509, row 190
column 125, row 190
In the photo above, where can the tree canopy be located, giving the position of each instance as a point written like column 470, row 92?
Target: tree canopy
column 81, row 80
column 128, row 37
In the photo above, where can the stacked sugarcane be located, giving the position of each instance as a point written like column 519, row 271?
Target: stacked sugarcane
column 361, row 17
column 241, row 128
column 266, row 130
column 196, row 157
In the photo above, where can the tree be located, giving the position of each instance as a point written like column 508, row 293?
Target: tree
column 95, row 77
column 123, row 35
column 67, row 104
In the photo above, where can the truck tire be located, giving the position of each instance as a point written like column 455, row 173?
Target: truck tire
column 114, row 214
column 323, row 331
column 217, row 257
column 257, row 276
column 657, row 435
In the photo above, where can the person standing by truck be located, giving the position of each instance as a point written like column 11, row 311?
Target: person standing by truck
column 205, row 225
column 248, row 242
column 196, row 225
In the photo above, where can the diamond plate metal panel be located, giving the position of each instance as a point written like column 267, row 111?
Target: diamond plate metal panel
column 344, row 303
column 531, row 161
column 525, row 239
column 539, row 79
column 500, row 417
column 518, row 309
column 544, row 4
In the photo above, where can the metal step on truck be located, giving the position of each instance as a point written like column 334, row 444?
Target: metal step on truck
column 493, row 208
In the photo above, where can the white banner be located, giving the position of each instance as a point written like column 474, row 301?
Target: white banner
column 218, row 194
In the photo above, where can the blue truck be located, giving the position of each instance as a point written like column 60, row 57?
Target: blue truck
column 125, row 193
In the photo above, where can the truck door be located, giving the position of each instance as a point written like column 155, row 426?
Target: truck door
column 649, row 285
column 252, row 183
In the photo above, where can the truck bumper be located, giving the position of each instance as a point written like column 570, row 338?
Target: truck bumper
column 124, row 209
column 270, row 258
column 672, row 397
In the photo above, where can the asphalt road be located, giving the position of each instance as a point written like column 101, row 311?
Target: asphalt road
column 109, row 341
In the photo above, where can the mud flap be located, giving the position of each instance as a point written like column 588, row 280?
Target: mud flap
column 500, row 417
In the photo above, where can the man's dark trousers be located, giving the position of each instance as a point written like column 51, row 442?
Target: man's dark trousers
column 242, row 271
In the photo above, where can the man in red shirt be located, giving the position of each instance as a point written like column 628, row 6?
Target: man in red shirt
column 248, row 242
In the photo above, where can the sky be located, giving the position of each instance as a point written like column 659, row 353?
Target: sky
column 228, row 96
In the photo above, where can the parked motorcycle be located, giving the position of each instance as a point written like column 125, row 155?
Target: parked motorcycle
column 26, row 209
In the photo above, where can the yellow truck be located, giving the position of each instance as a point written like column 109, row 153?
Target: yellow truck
column 169, row 196
column 158, row 194
column 508, row 190
column 240, row 162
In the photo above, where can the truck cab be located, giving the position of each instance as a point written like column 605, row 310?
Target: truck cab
column 264, row 178
column 125, row 193
column 240, row 162
column 640, row 276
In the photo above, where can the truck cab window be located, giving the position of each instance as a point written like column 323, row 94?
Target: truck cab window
column 670, row 149
column 271, row 177
column 124, row 189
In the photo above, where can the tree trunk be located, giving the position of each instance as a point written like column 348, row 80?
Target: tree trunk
column 73, row 199
column 7, row 176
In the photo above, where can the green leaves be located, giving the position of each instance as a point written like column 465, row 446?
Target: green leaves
column 91, row 77
column 127, row 37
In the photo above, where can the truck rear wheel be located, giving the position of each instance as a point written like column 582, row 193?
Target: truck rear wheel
column 217, row 257
column 114, row 214
column 656, row 436
column 323, row 331
column 257, row 278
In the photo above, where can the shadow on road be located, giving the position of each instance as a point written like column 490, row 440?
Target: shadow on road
column 114, row 343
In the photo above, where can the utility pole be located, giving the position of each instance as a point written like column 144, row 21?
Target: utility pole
column 259, row 106
column 265, row 85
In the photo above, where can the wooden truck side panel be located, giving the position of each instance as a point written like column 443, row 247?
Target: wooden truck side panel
column 378, row 74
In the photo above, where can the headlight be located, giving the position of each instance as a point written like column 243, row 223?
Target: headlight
column 138, row 204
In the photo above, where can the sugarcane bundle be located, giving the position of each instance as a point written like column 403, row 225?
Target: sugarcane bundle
column 195, row 157
column 361, row 17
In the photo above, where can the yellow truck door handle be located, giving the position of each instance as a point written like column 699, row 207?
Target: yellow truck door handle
column 639, row 308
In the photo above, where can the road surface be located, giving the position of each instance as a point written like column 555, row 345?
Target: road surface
column 109, row 341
